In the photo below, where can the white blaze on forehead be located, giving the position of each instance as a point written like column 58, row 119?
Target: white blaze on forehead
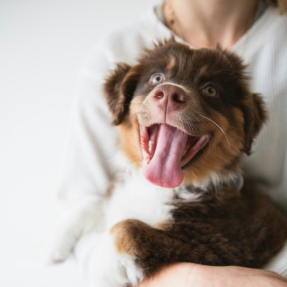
column 174, row 84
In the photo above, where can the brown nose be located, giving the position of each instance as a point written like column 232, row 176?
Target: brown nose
column 169, row 97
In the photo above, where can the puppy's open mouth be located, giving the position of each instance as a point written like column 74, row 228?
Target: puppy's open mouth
column 166, row 150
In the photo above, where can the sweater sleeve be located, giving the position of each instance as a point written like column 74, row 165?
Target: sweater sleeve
column 86, row 169
column 278, row 264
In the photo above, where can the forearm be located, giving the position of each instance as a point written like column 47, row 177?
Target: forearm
column 188, row 274
column 177, row 274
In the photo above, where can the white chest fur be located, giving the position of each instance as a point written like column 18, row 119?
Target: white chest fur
column 138, row 199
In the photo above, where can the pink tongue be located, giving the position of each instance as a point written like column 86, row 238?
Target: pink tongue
column 164, row 169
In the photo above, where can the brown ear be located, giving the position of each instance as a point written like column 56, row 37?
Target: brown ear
column 119, row 88
column 255, row 116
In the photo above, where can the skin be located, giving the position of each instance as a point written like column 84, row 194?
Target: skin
column 204, row 24
column 187, row 274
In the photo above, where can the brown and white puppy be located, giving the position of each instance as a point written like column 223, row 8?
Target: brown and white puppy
column 185, row 118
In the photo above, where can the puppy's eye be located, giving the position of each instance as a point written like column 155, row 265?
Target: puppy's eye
column 156, row 79
column 210, row 91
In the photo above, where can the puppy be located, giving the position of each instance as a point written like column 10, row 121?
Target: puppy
column 185, row 118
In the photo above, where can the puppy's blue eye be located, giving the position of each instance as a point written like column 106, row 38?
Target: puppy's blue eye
column 210, row 91
column 156, row 79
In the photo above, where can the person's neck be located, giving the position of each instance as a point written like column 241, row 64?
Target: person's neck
column 206, row 23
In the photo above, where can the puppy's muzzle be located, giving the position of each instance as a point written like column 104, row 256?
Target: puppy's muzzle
column 169, row 97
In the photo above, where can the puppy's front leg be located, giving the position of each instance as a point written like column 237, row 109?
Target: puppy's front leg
column 130, row 251
column 79, row 220
column 110, row 268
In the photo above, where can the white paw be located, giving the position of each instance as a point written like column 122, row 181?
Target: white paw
column 81, row 219
column 108, row 268
column 58, row 245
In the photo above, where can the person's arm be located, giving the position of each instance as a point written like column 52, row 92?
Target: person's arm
column 87, row 166
column 86, row 169
column 188, row 274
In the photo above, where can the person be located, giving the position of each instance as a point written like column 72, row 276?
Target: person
column 257, row 31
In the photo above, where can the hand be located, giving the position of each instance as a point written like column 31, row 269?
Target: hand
column 188, row 274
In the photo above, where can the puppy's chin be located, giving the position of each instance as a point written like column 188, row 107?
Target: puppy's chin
column 165, row 150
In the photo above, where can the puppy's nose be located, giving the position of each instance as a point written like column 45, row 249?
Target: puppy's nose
column 169, row 97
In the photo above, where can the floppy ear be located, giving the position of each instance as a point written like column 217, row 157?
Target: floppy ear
column 255, row 116
column 119, row 88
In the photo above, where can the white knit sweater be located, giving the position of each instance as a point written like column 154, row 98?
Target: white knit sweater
column 87, row 168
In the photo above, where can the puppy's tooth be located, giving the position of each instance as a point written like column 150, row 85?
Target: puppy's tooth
column 150, row 145
column 184, row 153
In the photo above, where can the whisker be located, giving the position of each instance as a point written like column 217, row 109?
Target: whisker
column 191, row 126
column 191, row 123
column 218, row 127
column 193, row 115
column 181, row 122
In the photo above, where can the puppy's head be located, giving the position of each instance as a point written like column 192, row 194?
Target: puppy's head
column 184, row 114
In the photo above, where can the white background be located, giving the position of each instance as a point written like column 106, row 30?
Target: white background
column 42, row 44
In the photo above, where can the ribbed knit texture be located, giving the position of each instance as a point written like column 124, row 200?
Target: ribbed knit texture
column 88, row 167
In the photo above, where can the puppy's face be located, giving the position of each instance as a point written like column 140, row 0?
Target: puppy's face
column 184, row 114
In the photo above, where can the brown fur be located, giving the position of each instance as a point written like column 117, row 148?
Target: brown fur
column 226, row 227
column 124, row 240
column 171, row 64
column 232, row 228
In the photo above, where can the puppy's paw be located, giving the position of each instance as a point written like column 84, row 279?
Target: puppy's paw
column 58, row 246
column 81, row 219
column 111, row 269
